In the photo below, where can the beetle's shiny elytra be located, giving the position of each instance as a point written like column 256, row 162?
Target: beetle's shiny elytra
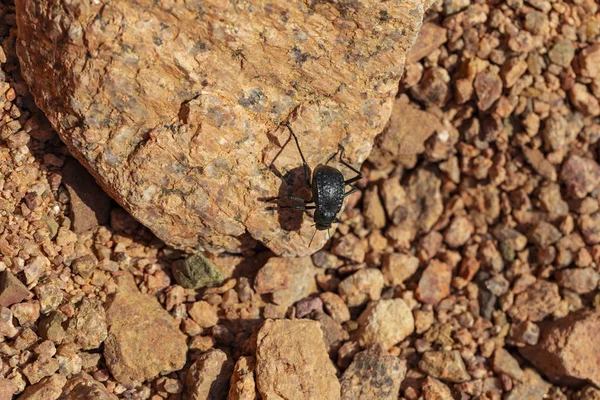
column 327, row 187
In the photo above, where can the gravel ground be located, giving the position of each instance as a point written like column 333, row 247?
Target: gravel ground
column 467, row 266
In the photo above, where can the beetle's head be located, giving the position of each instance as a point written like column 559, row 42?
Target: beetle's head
column 324, row 219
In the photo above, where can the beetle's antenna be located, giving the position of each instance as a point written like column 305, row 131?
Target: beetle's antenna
column 311, row 239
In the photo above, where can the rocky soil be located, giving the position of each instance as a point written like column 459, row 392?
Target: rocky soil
column 466, row 267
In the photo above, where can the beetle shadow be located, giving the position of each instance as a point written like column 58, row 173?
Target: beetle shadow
column 292, row 183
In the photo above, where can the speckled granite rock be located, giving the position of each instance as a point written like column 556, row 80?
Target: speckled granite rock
column 177, row 109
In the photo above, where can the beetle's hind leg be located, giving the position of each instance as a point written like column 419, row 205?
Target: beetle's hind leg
column 293, row 198
column 351, row 180
column 304, row 163
column 303, row 208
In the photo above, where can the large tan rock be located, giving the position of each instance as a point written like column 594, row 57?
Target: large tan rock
column 177, row 108
column 292, row 362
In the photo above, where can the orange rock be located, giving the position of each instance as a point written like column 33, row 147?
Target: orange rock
column 180, row 118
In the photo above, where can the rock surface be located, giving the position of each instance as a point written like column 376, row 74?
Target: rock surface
column 12, row 290
column 566, row 351
column 243, row 384
column 49, row 388
column 143, row 340
column 208, row 377
column 84, row 387
column 164, row 111
column 292, row 362
column 90, row 206
column 287, row 280
column 373, row 374
column 385, row 322
column 196, row 272
column 445, row 365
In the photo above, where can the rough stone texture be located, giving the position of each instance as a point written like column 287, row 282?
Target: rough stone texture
column 434, row 389
column 581, row 175
column 385, row 322
column 373, row 374
column 434, row 284
column 12, row 290
column 243, row 385
column 505, row 363
column 143, row 339
column 445, row 365
column 431, row 37
column 362, row 286
column 533, row 387
column 204, row 314
column 292, row 362
column 87, row 328
column 536, row 302
column 90, row 206
column 566, row 352
column 579, row 280
column 288, row 280
column 196, row 272
column 49, row 388
column 84, row 387
column 404, row 137
column 164, row 111
column 208, row 377
column 398, row 267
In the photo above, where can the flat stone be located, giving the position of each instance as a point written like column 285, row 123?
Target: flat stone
column 12, row 290
column 292, row 362
column 373, row 374
column 208, row 377
column 90, row 206
column 143, row 339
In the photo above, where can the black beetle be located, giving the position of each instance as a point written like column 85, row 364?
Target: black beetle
column 328, row 189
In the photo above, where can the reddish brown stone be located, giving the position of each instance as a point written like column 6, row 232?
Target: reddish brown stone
column 12, row 291
column 566, row 352
column 434, row 284
column 536, row 302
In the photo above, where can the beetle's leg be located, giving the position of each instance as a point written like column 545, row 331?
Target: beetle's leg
column 303, row 208
column 306, row 169
column 349, row 192
column 351, row 180
column 293, row 198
